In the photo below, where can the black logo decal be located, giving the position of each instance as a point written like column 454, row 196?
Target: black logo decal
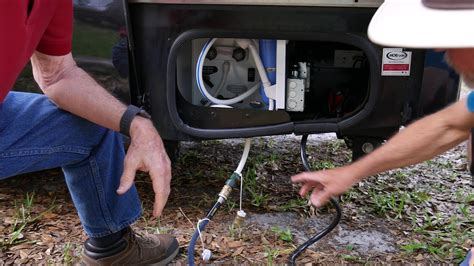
column 397, row 55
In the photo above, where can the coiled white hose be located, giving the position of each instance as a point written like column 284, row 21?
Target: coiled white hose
column 202, row 86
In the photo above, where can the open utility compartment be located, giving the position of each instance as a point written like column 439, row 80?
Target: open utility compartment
column 338, row 80
column 309, row 81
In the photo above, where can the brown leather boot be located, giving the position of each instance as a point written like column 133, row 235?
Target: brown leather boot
column 135, row 250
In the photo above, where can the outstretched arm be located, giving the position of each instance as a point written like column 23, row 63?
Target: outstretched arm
column 418, row 142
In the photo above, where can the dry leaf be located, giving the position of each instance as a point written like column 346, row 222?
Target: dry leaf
column 50, row 215
column 8, row 220
column 21, row 246
column 238, row 251
column 234, row 244
column 37, row 257
column 419, row 257
column 23, row 254
column 264, row 240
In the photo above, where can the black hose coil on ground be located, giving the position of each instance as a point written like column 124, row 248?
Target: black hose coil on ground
column 330, row 227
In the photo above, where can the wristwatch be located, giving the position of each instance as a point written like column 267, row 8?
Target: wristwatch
column 127, row 118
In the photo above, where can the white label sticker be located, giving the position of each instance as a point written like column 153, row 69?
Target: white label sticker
column 396, row 62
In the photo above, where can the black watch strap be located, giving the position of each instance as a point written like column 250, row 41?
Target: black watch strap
column 127, row 118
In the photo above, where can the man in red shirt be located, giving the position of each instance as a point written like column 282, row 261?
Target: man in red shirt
column 74, row 125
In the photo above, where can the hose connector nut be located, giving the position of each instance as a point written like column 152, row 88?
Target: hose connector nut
column 212, row 54
column 239, row 54
column 225, row 192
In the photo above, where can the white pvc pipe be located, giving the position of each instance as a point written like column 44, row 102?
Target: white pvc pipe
column 261, row 69
column 246, row 43
column 225, row 69
column 271, row 104
column 244, row 157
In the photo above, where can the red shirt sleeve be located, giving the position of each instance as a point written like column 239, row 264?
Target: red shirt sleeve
column 57, row 39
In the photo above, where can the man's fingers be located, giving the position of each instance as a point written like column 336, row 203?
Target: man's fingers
column 161, row 197
column 159, row 205
column 161, row 178
column 299, row 178
column 128, row 176
column 307, row 187
column 320, row 197
column 307, row 177
column 310, row 180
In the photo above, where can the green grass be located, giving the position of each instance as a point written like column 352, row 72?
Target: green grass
column 336, row 145
column 91, row 41
column 294, row 204
column 464, row 196
column 413, row 247
column 271, row 254
column 321, row 165
column 189, row 157
column 26, row 82
column 394, row 204
column 230, row 205
column 352, row 258
column 153, row 225
column 87, row 40
column 283, row 234
column 68, row 253
column 232, row 229
column 444, row 238
column 257, row 197
column 24, row 216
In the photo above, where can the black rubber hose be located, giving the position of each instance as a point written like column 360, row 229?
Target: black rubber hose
column 192, row 243
column 325, row 231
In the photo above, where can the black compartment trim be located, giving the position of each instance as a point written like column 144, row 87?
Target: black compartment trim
column 358, row 41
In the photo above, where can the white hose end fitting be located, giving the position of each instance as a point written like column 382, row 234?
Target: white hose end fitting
column 206, row 255
column 241, row 213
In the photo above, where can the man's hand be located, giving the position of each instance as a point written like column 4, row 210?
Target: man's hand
column 325, row 184
column 147, row 153
column 75, row 91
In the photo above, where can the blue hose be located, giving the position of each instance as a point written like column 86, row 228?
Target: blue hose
column 192, row 243
column 268, row 56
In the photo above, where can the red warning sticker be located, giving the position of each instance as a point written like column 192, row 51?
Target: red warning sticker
column 396, row 62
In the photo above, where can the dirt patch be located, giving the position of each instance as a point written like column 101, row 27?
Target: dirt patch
column 371, row 241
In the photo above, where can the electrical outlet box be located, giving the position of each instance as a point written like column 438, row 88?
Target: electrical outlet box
column 295, row 95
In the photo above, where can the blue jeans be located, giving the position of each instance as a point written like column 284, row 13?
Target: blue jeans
column 466, row 259
column 36, row 135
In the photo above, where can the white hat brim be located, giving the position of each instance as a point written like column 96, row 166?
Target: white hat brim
column 408, row 23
